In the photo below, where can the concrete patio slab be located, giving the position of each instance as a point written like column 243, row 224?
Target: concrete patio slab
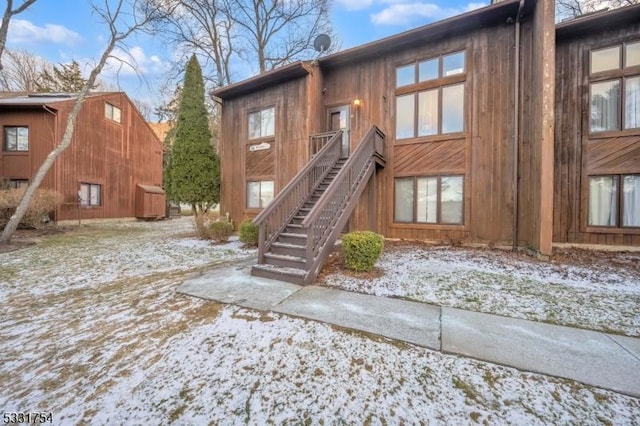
column 586, row 356
column 411, row 322
column 234, row 283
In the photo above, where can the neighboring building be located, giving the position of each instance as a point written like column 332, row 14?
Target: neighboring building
column 477, row 120
column 114, row 159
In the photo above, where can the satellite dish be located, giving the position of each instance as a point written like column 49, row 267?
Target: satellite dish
column 322, row 43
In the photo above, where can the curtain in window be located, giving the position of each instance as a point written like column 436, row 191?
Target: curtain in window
column 632, row 103
column 604, row 106
column 427, row 202
column 253, row 195
column 631, row 201
column 603, row 194
column 428, row 113
column 405, row 113
column 451, row 199
column 453, row 108
column 403, row 200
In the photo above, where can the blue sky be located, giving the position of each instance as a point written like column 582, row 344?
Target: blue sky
column 62, row 30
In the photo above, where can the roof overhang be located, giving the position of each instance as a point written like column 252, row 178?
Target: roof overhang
column 598, row 21
column 269, row 78
column 495, row 14
column 499, row 13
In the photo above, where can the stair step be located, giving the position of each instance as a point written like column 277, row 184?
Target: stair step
column 294, row 228
column 297, row 239
column 288, row 249
column 297, row 219
column 285, row 261
column 290, row 275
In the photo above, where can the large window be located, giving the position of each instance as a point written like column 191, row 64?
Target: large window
column 429, row 199
column 90, row 194
column 112, row 112
column 615, row 88
column 16, row 138
column 262, row 123
column 259, row 194
column 614, row 201
column 430, row 96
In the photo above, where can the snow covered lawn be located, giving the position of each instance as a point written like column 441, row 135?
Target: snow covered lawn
column 598, row 291
column 93, row 332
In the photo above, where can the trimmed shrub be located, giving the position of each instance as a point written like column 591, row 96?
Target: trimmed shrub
column 249, row 233
column 361, row 250
column 220, row 231
column 44, row 201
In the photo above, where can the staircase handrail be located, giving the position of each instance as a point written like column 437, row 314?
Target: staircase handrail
column 328, row 208
column 274, row 217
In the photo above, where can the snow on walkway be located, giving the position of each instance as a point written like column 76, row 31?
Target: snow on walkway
column 93, row 332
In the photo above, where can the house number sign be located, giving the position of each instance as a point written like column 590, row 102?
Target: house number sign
column 259, row 147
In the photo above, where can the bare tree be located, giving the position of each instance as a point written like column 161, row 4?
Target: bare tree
column 10, row 12
column 278, row 32
column 200, row 27
column 123, row 18
column 22, row 71
column 567, row 9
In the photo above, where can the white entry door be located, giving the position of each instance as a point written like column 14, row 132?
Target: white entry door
column 338, row 118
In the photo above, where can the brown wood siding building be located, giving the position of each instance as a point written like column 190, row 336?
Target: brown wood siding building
column 107, row 157
column 504, row 152
column 580, row 153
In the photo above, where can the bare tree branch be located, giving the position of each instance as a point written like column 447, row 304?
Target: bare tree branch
column 121, row 24
column 9, row 13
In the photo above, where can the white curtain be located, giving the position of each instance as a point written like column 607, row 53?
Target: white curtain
column 632, row 103
column 603, row 192
column 631, row 201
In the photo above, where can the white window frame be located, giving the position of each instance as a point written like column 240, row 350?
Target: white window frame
column 16, row 147
column 112, row 112
column 90, row 194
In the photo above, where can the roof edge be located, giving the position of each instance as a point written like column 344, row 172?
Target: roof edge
column 261, row 81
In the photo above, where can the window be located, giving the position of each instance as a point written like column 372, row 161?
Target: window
column 615, row 88
column 611, row 207
column 112, row 112
column 262, row 123
column 259, row 194
column 430, row 96
column 429, row 199
column 90, row 194
column 16, row 138
column 14, row 184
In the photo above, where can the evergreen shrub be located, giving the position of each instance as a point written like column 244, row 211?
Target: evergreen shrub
column 249, row 233
column 361, row 250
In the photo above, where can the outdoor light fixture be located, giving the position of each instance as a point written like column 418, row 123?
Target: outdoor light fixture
column 356, row 103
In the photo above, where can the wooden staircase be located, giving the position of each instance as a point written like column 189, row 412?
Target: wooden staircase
column 286, row 260
column 300, row 226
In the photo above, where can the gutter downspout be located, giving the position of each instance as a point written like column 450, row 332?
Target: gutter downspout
column 516, row 127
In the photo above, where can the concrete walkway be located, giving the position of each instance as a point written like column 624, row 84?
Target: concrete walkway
column 598, row 359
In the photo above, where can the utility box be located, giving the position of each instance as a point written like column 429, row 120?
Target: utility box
column 150, row 202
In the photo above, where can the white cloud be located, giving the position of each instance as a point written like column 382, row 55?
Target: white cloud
column 403, row 13
column 133, row 62
column 23, row 31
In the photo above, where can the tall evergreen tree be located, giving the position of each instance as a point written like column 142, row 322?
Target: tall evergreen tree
column 65, row 79
column 194, row 167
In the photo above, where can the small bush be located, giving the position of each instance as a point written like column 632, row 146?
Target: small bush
column 44, row 201
column 249, row 233
column 361, row 250
column 220, row 231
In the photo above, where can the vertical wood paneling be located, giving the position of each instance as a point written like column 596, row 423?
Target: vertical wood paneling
column 115, row 155
column 578, row 154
